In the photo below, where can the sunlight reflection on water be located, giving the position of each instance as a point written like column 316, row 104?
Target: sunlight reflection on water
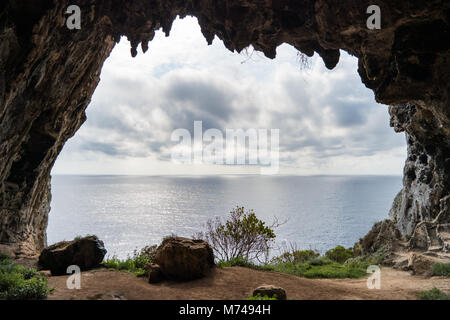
column 129, row 212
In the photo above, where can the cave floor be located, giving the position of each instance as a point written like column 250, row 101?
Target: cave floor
column 237, row 283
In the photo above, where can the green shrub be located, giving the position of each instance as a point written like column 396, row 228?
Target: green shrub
column 334, row 271
column 320, row 261
column 324, row 269
column 241, row 262
column 339, row 254
column 259, row 297
column 364, row 261
column 242, row 235
column 79, row 237
column 21, row 283
column 20, row 289
column 5, row 258
column 134, row 264
column 297, row 256
column 315, row 267
column 441, row 269
column 433, row 294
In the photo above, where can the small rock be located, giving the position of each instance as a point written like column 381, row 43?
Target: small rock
column 270, row 291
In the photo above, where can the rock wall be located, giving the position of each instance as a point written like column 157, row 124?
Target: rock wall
column 48, row 74
column 421, row 209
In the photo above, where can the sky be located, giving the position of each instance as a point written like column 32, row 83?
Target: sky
column 328, row 121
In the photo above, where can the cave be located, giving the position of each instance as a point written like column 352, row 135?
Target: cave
column 48, row 73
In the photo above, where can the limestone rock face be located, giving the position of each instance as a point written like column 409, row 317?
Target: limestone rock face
column 86, row 253
column 184, row 259
column 424, row 198
column 384, row 235
column 48, row 74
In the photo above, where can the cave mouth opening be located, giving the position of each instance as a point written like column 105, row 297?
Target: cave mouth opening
column 329, row 124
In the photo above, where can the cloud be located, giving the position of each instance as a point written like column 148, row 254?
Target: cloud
column 327, row 119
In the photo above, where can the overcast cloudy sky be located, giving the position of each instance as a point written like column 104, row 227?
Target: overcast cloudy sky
column 329, row 122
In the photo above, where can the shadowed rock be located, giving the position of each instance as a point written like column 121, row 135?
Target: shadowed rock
column 86, row 253
column 184, row 259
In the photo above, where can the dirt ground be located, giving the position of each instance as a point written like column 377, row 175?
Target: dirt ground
column 238, row 283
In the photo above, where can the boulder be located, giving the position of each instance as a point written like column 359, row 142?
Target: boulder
column 184, row 259
column 86, row 253
column 270, row 291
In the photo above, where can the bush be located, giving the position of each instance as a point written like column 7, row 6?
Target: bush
column 334, row 271
column 297, row 256
column 339, row 254
column 441, row 269
column 242, row 235
column 134, row 264
column 433, row 294
column 320, row 261
column 21, row 283
column 241, row 262
column 4, row 257
column 320, row 268
column 364, row 261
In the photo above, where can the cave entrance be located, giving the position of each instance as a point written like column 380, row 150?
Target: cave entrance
column 340, row 163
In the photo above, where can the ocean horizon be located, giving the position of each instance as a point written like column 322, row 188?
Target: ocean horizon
column 130, row 212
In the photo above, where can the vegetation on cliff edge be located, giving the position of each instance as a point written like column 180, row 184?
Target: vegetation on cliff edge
column 21, row 283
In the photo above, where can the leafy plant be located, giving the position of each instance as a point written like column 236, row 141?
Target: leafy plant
column 242, row 235
column 5, row 257
column 441, row 269
column 259, row 297
column 433, row 294
column 134, row 264
column 291, row 254
column 319, row 261
column 79, row 237
column 324, row 269
column 21, row 283
column 241, row 262
column 339, row 254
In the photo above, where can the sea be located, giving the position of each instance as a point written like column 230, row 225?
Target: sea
column 131, row 212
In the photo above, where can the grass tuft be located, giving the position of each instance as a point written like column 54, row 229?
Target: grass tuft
column 433, row 294
column 441, row 269
column 259, row 297
column 338, row 263
column 241, row 262
column 134, row 264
